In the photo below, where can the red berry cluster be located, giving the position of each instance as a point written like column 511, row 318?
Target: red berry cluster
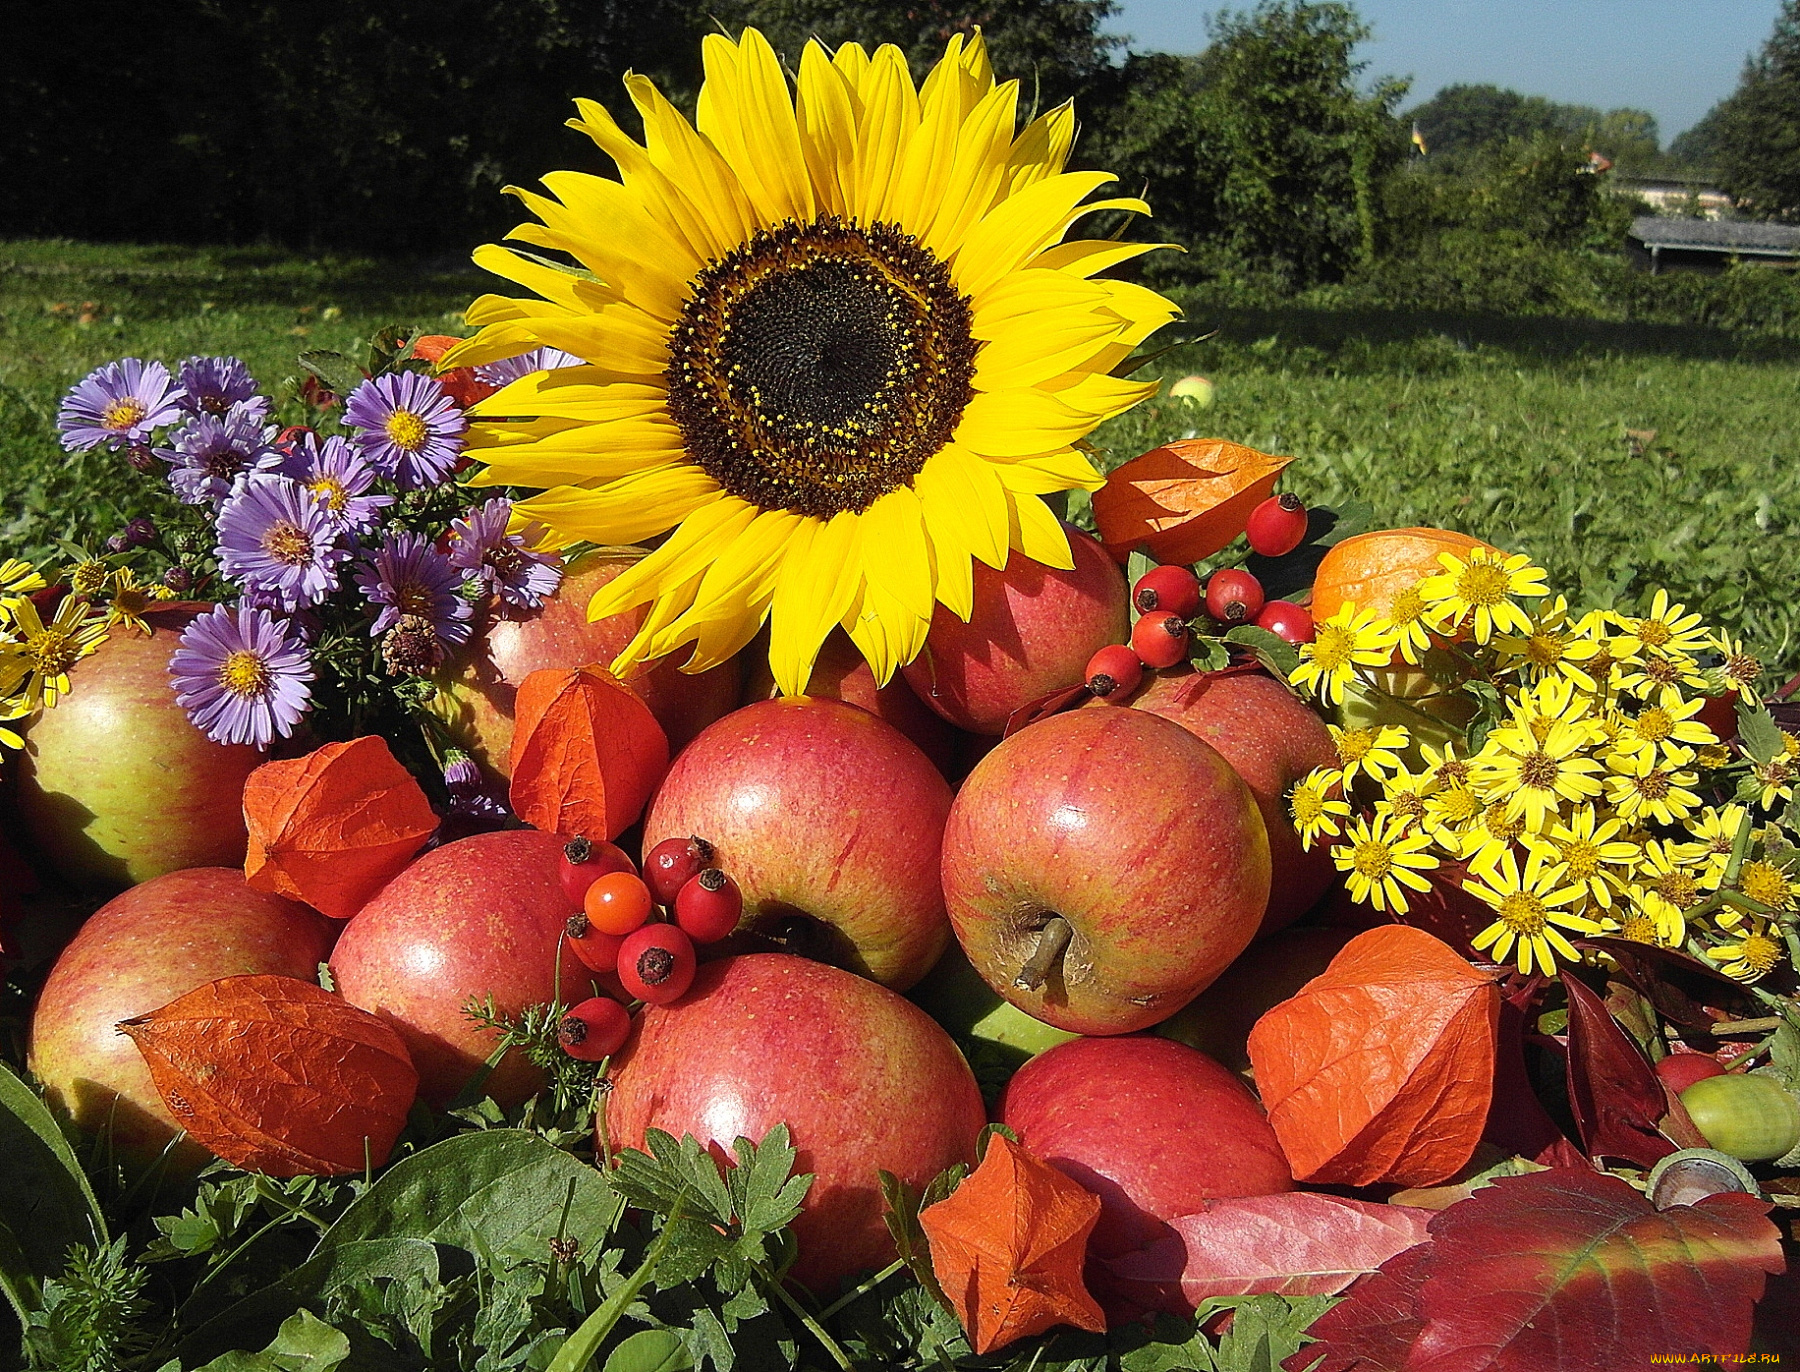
column 1169, row 598
column 615, row 931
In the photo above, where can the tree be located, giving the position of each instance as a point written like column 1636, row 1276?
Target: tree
column 1460, row 123
column 1262, row 153
column 1758, row 135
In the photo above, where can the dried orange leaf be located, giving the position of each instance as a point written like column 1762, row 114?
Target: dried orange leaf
column 1185, row 500
column 586, row 752
column 1382, row 1068
column 276, row 1075
column 332, row 828
column 1008, row 1245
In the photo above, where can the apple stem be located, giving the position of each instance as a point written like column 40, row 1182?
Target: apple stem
column 1052, row 939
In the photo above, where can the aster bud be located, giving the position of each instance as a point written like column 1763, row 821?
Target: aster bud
column 137, row 533
column 117, row 544
column 141, row 459
column 412, row 646
column 179, row 580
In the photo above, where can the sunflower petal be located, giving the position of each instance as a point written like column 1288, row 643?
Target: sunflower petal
column 628, row 510
column 1019, row 227
column 812, row 594
column 745, row 110
column 896, row 554
column 963, row 497
column 1042, row 148
column 886, row 123
column 1039, row 534
column 1019, row 423
column 827, row 122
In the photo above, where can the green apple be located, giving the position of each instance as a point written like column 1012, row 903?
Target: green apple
column 954, row 995
column 1195, row 388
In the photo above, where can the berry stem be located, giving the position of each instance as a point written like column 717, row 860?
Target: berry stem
column 1053, row 938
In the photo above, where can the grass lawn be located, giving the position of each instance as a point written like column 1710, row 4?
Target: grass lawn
column 1519, row 431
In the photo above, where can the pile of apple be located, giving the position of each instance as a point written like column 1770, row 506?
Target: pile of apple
column 805, row 863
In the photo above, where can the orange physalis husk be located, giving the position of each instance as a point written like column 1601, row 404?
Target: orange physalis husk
column 586, row 752
column 459, row 383
column 278, row 1076
column 1185, row 500
column 1382, row 1068
column 332, row 828
column 1008, row 1244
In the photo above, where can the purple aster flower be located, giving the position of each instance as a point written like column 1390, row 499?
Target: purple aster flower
column 215, row 384
column 411, row 580
column 274, row 536
column 407, row 428
column 118, row 403
column 212, row 451
column 510, row 369
column 241, row 676
column 470, row 795
column 483, row 551
column 339, row 478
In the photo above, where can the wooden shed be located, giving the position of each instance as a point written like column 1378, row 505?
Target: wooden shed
column 1657, row 243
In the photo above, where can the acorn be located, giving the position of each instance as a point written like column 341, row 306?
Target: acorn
column 1752, row 1118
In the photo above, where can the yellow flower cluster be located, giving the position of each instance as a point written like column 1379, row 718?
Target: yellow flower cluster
column 1563, row 763
column 35, row 654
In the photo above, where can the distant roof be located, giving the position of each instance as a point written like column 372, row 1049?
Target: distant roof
column 1716, row 235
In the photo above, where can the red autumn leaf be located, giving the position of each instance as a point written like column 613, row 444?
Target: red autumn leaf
column 1517, row 1123
column 586, row 752
column 276, row 1075
column 1568, row 1268
column 1185, row 500
column 1614, row 1093
column 1381, row 1069
column 1007, row 1247
column 332, row 828
column 1298, row 1243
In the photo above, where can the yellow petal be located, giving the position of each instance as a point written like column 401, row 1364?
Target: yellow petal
column 685, row 556
column 896, row 555
column 692, row 162
column 1039, row 534
column 827, row 123
column 745, row 110
column 1041, row 149
column 628, row 510
column 1046, row 475
column 1019, row 227
column 964, row 502
column 814, row 591
column 975, row 170
column 1019, row 423
column 887, row 118
column 1090, row 256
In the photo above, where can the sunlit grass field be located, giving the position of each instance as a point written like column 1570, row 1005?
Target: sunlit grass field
column 1624, row 457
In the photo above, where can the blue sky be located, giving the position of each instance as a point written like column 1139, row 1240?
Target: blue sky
column 1671, row 57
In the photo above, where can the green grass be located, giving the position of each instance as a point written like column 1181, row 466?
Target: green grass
column 1511, row 429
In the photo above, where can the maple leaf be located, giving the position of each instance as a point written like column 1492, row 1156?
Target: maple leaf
column 1008, row 1245
column 1566, row 1268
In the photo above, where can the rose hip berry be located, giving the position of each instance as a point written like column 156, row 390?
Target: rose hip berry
column 585, row 860
column 656, row 964
column 1114, row 671
column 617, row 903
column 598, row 952
column 1277, row 525
column 709, row 906
column 597, row 1028
column 1174, row 590
column 1233, row 596
column 673, row 863
column 1160, row 640
column 1287, row 620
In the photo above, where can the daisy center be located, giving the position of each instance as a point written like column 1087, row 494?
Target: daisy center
column 52, row 652
column 1652, row 785
column 1459, row 805
column 1679, row 889
column 1538, row 770
column 1309, row 806
column 1662, row 671
column 1408, row 804
column 123, row 413
column 1654, row 725
column 1498, row 823
column 1543, row 650
column 1766, row 882
column 1583, row 859
column 1482, row 583
column 407, row 430
column 221, row 462
column 1759, row 952
column 1640, row 928
column 288, row 544
column 1523, row 913
column 1353, row 745
column 1655, row 633
column 1741, row 667
column 243, row 673
column 1453, row 771
column 330, row 493
column 1407, row 608
column 820, row 366
column 131, row 601
column 1373, row 860
column 413, row 598
column 89, row 577
column 1333, row 647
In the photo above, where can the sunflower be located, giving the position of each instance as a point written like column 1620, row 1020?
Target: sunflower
column 829, row 338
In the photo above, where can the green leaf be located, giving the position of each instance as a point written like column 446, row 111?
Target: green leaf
column 46, row 1205
column 305, row 1343
column 1168, row 1345
column 763, row 1193
column 1759, row 734
column 500, row 1192
column 650, row 1350
column 1272, row 650
column 339, row 374
column 672, row 1175
column 1208, row 654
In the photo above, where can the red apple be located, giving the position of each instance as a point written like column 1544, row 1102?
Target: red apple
column 830, row 823
column 842, row 673
column 1153, row 1127
column 1121, row 832
column 1271, row 739
column 1032, row 630
column 862, row 1078
column 477, row 702
column 116, row 785
column 143, row 949
column 1218, row 1020
column 476, row 918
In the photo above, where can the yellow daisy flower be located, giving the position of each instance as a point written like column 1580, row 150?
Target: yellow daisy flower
column 17, row 578
column 1368, row 752
column 1480, row 591
column 1790, row 745
column 1444, row 767
column 1665, row 726
column 1379, row 859
column 1528, row 909
column 1485, row 842
column 1644, row 787
column 1317, row 806
column 1774, row 781
column 1553, row 646
column 1668, row 885
column 1643, row 917
column 1668, row 629
column 1740, row 671
column 51, row 649
column 1655, row 672
column 129, row 599
column 1555, row 700
column 1449, row 813
column 1589, row 850
column 1757, row 952
column 1715, row 832
column 1407, row 617
column 1351, row 638
column 831, row 341
column 1535, row 776
column 1768, row 883
column 1404, row 795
